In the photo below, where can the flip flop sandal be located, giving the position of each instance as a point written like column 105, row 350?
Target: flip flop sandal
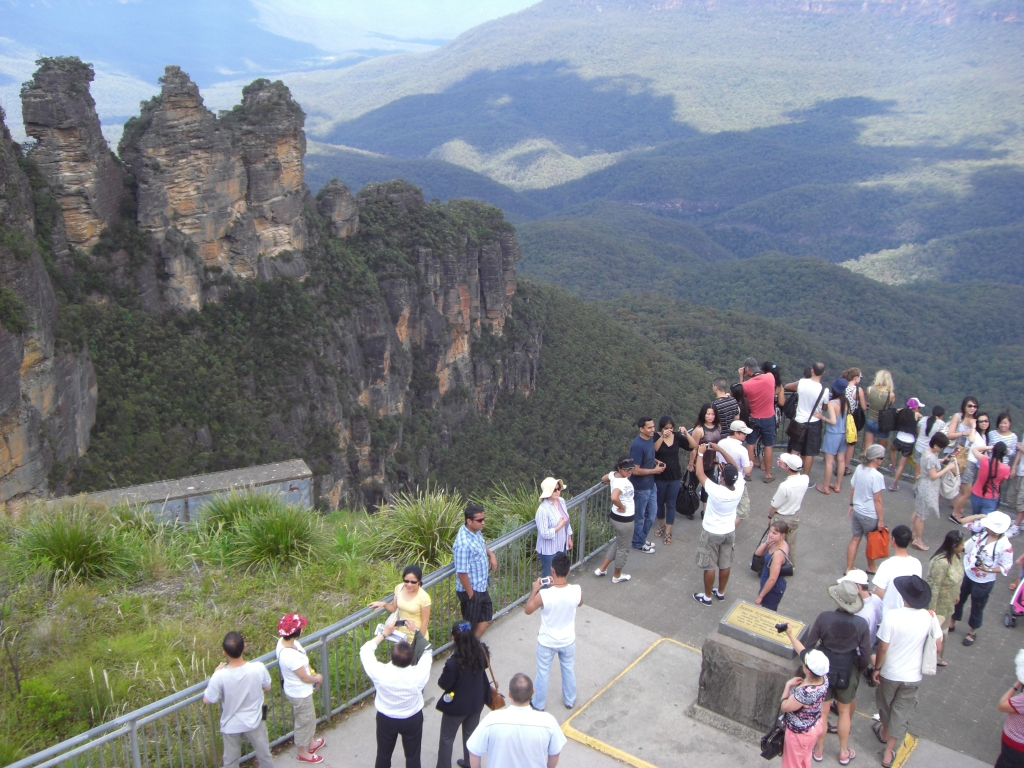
column 877, row 730
column 822, row 489
column 969, row 639
column 769, row 478
column 319, row 744
column 852, row 754
column 833, row 728
column 816, row 758
column 889, row 764
column 941, row 663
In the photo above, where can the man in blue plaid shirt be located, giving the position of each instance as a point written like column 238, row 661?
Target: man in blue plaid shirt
column 472, row 559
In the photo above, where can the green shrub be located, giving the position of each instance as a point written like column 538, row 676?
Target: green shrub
column 46, row 706
column 417, row 528
column 71, row 542
column 273, row 534
column 229, row 509
column 508, row 507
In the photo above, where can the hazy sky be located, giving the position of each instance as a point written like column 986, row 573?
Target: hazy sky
column 130, row 41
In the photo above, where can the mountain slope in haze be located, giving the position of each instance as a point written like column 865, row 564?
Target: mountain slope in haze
column 595, row 378
column 835, row 132
column 436, row 178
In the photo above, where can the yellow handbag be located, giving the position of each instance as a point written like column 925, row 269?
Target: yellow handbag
column 851, row 429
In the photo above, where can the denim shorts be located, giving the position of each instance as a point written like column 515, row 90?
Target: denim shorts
column 872, row 427
column 765, row 428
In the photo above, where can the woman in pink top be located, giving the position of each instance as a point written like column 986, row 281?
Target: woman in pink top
column 1012, row 703
column 991, row 474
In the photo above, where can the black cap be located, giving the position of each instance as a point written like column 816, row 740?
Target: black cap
column 729, row 474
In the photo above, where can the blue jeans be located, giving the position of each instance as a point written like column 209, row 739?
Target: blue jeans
column 567, row 661
column 668, row 492
column 646, row 505
column 982, row 506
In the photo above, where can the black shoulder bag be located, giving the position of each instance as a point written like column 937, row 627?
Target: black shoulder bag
column 798, row 430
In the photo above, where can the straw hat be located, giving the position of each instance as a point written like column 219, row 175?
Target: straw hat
column 547, row 487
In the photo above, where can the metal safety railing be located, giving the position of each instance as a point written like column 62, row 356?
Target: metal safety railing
column 179, row 731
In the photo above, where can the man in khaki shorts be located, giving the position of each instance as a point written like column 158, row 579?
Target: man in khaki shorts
column 718, row 537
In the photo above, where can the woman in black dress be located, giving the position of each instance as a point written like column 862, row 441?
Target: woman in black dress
column 465, row 686
column 666, row 449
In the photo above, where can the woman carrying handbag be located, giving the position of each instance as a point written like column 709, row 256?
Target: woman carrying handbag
column 466, row 690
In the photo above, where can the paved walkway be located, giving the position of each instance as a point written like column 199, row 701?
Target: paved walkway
column 638, row 660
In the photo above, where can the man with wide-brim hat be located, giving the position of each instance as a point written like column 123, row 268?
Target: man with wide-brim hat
column 554, row 531
column 901, row 639
column 844, row 638
column 986, row 554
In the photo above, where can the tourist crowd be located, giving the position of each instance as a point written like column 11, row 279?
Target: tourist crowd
column 888, row 631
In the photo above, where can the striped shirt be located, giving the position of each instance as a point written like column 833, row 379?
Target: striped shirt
column 469, row 554
column 1011, row 443
column 1013, row 728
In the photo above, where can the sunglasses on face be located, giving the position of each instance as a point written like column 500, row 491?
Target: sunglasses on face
column 478, row 519
column 408, row 581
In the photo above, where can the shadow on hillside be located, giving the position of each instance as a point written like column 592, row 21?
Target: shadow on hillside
column 494, row 110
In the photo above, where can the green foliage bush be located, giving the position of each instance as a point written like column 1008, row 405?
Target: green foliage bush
column 273, row 537
column 12, row 311
column 73, row 541
column 416, row 527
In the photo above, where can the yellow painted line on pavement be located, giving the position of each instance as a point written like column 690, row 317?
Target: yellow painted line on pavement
column 905, row 750
column 607, row 749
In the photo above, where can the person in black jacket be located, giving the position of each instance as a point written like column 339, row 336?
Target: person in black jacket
column 465, row 686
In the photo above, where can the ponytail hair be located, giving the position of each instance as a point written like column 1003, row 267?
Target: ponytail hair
column 995, row 459
column 937, row 413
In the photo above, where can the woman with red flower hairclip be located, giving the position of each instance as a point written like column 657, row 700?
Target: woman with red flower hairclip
column 299, row 683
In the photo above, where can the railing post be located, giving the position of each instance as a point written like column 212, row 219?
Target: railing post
column 133, row 738
column 581, row 552
column 325, row 686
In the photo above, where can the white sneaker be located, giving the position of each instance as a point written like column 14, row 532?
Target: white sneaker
column 623, row 577
column 599, row 572
column 647, row 549
column 1014, row 530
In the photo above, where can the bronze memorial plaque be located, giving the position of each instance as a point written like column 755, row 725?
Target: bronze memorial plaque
column 756, row 625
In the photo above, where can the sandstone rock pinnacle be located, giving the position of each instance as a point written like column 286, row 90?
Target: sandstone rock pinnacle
column 72, row 154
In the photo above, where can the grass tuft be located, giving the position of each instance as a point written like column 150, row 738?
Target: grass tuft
column 508, row 507
column 72, row 542
column 417, row 528
column 273, row 534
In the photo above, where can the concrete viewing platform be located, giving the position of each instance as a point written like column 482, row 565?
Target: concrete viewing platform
column 638, row 661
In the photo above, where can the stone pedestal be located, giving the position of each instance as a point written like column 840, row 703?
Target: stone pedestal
column 742, row 682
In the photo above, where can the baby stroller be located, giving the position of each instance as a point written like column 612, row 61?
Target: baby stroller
column 1016, row 607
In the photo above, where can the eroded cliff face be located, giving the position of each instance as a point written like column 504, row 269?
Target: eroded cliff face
column 217, row 196
column 47, row 396
column 408, row 303
column 70, row 150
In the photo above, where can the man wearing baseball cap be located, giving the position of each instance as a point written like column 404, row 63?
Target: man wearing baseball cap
column 718, row 535
column 789, row 496
column 866, row 515
column 901, row 640
column 299, row 681
column 732, row 446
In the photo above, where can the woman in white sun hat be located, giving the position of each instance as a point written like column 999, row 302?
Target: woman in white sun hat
column 986, row 553
column 554, row 531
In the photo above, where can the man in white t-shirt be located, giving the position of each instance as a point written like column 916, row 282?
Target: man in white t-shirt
column 789, row 496
column 901, row 641
column 718, row 534
column 812, row 397
column 734, row 447
column 557, row 636
column 517, row 736
column 900, row 564
column 238, row 686
column 866, row 515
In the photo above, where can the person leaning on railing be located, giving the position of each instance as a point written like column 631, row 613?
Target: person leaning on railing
column 238, row 686
column 471, row 559
column 299, row 681
column 554, row 531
